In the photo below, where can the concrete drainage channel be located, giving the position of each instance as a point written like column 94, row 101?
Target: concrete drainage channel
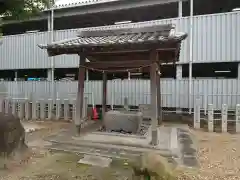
column 187, row 150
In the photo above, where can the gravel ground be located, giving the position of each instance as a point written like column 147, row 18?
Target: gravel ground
column 219, row 157
column 218, row 154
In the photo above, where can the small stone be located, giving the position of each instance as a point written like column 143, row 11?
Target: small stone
column 95, row 161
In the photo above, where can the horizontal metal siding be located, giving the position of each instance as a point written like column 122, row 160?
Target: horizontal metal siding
column 174, row 92
column 216, row 38
column 63, row 61
column 22, row 52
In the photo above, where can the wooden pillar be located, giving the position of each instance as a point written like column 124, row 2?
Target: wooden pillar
column 104, row 95
column 159, row 100
column 154, row 114
column 80, row 95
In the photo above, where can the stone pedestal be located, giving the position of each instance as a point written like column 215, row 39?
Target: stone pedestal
column 123, row 121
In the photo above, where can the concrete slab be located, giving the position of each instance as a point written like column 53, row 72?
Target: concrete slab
column 164, row 134
column 174, row 142
column 95, row 161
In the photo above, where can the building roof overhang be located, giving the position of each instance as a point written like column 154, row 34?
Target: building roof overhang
column 93, row 7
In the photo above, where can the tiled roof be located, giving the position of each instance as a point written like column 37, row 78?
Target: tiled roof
column 86, row 38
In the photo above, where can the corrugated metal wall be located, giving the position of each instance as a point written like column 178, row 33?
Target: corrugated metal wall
column 216, row 38
column 174, row 92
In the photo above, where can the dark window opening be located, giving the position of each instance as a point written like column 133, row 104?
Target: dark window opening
column 211, row 70
column 155, row 12
column 66, row 74
column 23, row 27
column 31, row 74
column 210, row 6
column 162, row 11
column 7, row 75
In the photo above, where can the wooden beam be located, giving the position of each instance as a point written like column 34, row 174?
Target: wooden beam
column 80, row 95
column 159, row 100
column 116, row 64
column 128, row 56
column 119, row 52
column 104, row 95
column 154, row 114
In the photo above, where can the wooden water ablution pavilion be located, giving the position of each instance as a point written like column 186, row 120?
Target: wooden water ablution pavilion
column 122, row 49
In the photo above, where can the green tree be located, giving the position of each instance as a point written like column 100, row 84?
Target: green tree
column 22, row 9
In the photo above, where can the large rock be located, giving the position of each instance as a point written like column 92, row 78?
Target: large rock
column 123, row 121
column 154, row 165
column 12, row 134
column 157, row 167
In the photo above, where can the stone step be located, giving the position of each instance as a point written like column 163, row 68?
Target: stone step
column 105, row 150
column 82, row 143
column 110, row 153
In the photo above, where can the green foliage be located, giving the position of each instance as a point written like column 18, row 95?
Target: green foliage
column 22, row 9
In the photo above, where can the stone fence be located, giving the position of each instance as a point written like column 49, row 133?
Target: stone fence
column 224, row 120
column 43, row 109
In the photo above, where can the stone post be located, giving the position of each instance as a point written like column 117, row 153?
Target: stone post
column 126, row 107
column 1, row 104
column 178, row 86
column 66, row 109
column 197, row 114
column 42, row 109
column 6, row 106
column 74, row 115
column 27, row 110
column 224, row 117
column 237, row 118
column 34, row 109
column 50, row 109
column 21, row 110
column 58, row 108
column 14, row 107
column 210, row 118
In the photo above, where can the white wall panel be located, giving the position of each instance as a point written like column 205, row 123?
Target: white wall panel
column 174, row 92
column 216, row 38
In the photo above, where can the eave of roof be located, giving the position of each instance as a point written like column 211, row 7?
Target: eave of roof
column 90, row 41
column 114, row 40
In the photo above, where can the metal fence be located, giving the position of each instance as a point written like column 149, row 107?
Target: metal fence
column 174, row 93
